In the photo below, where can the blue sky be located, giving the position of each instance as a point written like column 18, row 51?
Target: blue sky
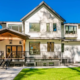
column 14, row 10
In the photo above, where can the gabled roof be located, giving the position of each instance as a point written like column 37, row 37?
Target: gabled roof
column 43, row 3
column 19, row 34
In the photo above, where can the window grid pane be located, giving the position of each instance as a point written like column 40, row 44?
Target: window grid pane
column 48, row 27
column 75, row 29
column 71, row 29
column 54, row 27
column 66, row 29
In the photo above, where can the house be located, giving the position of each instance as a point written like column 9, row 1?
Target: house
column 42, row 38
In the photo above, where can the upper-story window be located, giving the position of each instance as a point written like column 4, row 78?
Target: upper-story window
column 15, row 27
column 48, row 27
column 70, row 29
column 54, row 27
column 34, row 27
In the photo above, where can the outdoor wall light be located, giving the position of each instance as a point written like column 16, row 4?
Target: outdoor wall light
column 10, row 41
column 20, row 42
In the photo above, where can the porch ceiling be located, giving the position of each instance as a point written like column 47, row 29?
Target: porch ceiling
column 12, row 33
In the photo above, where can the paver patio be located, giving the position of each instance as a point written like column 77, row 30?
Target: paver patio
column 10, row 73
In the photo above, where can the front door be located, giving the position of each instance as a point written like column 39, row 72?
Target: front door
column 13, row 51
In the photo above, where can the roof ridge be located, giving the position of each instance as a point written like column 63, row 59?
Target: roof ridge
column 47, row 7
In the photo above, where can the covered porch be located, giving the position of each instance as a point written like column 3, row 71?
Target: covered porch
column 12, row 44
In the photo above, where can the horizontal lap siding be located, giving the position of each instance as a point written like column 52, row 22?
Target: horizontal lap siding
column 72, row 51
column 43, row 47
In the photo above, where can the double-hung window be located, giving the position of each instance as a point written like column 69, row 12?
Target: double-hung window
column 50, row 46
column 34, row 27
column 54, row 27
column 48, row 27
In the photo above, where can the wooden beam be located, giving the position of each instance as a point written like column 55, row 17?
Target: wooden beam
column 24, row 41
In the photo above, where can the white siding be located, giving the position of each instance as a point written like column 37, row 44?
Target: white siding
column 43, row 47
column 43, row 16
column 72, row 50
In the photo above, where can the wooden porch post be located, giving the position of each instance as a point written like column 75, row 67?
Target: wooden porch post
column 24, row 41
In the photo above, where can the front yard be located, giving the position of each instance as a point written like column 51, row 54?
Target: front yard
column 49, row 74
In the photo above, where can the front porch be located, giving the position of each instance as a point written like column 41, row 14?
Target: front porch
column 12, row 45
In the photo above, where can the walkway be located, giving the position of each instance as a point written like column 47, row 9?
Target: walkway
column 10, row 73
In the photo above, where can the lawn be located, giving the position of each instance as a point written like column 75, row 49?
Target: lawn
column 49, row 74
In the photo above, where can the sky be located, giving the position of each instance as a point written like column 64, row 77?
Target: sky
column 14, row 10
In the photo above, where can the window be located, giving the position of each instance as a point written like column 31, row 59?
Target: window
column 34, row 48
column 70, row 29
column 14, row 51
column 15, row 27
column 67, row 29
column 48, row 27
column 62, row 47
column 50, row 46
column 54, row 27
column 34, row 27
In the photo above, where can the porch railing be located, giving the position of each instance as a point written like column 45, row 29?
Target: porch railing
column 47, row 56
column 16, row 54
column 43, row 55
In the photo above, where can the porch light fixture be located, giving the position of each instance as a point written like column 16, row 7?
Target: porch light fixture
column 20, row 42
column 10, row 41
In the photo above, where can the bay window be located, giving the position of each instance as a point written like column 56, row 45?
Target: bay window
column 70, row 29
column 15, row 27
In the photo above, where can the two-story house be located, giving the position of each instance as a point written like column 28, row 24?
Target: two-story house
column 41, row 38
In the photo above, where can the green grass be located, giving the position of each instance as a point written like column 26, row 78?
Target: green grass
column 49, row 74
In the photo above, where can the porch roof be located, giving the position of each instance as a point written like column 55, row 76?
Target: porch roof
column 12, row 33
